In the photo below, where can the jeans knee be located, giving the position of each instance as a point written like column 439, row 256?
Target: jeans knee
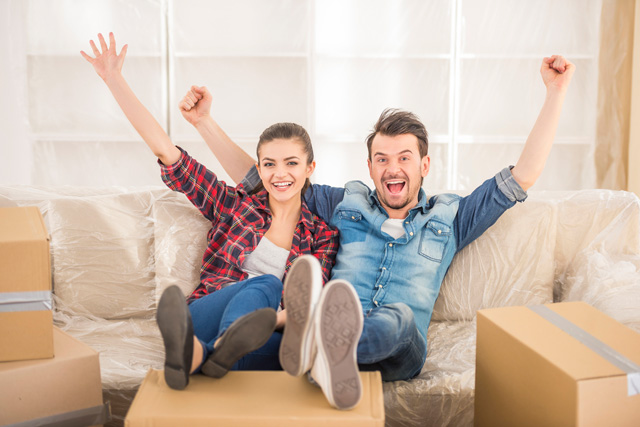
column 270, row 285
column 405, row 318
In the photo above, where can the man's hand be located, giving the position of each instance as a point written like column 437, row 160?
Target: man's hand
column 196, row 104
column 106, row 63
column 557, row 72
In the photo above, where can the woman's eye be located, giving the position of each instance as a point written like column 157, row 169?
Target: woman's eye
column 292, row 163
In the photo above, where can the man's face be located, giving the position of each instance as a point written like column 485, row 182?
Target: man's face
column 397, row 171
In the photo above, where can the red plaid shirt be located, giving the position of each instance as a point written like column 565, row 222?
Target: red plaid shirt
column 238, row 222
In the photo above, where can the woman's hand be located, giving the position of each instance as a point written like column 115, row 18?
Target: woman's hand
column 106, row 63
column 196, row 105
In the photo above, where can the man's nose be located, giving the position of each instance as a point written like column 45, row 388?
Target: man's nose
column 393, row 166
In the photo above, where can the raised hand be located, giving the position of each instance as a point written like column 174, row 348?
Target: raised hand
column 557, row 72
column 196, row 104
column 106, row 63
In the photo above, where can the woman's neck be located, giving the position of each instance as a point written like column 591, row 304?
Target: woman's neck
column 285, row 211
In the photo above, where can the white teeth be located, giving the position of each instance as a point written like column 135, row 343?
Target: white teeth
column 282, row 184
column 395, row 182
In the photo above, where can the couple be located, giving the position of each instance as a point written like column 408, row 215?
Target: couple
column 395, row 244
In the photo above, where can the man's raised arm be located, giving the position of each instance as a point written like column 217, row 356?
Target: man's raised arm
column 556, row 74
column 195, row 108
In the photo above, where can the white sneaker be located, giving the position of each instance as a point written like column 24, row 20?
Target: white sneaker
column 338, row 326
column 302, row 289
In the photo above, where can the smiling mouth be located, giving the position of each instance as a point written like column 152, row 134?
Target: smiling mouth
column 395, row 187
column 282, row 185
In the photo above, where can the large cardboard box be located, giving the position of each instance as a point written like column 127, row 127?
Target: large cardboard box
column 26, row 320
column 564, row 364
column 248, row 399
column 63, row 391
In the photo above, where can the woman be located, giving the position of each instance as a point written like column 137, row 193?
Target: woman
column 253, row 242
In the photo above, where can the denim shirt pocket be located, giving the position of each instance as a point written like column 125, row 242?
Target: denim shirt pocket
column 352, row 227
column 433, row 242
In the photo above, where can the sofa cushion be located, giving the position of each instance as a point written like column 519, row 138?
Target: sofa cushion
column 180, row 241
column 512, row 263
column 102, row 254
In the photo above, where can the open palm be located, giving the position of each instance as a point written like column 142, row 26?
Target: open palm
column 107, row 62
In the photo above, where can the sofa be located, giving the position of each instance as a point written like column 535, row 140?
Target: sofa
column 114, row 250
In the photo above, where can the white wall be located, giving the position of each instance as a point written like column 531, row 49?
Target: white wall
column 15, row 143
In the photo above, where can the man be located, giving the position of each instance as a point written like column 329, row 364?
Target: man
column 395, row 244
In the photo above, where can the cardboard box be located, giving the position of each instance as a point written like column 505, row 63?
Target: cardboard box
column 248, row 399
column 564, row 364
column 65, row 390
column 26, row 320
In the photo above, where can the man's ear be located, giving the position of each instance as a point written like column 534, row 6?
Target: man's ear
column 425, row 164
column 369, row 166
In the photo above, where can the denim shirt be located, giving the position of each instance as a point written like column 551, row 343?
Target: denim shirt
column 410, row 269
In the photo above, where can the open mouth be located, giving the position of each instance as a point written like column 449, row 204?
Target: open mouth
column 395, row 187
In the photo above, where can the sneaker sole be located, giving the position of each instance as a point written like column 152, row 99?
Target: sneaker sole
column 174, row 322
column 248, row 333
column 340, row 329
column 294, row 354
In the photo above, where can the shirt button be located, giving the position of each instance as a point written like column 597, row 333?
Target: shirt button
column 390, row 245
column 380, row 286
column 384, row 268
column 411, row 233
column 353, row 217
column 406, row 222
column 375, row 302
column 439, row 231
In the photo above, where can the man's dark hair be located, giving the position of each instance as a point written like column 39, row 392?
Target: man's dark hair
column 394, row 122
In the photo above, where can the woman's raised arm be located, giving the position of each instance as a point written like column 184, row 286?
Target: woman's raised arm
column 108, row 65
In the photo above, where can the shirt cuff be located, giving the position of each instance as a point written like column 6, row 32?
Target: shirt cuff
column 169, row 169
column 509, row 186
column 251, row 179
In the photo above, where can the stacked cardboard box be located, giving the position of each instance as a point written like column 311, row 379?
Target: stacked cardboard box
column 65, row 390
column 26, row 330
column 564, row 364
column 250, row 398
column 46, row 376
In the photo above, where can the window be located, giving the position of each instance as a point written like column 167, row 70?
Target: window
column 468, row 68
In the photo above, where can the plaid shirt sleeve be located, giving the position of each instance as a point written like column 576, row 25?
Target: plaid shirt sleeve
column 201, row 186
column 325, row 248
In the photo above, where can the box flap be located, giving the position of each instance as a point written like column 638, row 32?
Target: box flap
column 567, row 353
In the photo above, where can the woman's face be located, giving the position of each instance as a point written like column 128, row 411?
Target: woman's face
column 283, row 167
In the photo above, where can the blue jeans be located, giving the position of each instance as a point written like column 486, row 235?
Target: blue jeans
column 214, row 313
column 391, row 343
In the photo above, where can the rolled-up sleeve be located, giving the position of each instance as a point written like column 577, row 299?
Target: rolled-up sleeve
column 251, row 180
column 508, row 185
